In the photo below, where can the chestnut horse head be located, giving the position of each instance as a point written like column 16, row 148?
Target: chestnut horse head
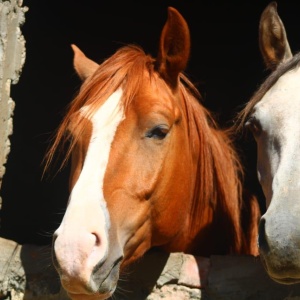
column 273, row 116
column 149, row 168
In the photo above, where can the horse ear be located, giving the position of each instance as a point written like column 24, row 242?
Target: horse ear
column 174, row 47
column 273, row 42
column 83, row 66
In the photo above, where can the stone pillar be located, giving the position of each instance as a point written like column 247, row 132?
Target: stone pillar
column 12, row 58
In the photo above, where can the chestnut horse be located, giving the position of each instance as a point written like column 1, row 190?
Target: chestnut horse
column 149, row 168
column 273, row 116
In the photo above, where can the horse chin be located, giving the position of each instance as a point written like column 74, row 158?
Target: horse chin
column 96, row 296
column 101, row 286
column 287, row 280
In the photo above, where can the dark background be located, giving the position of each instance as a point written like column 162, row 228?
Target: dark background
column 225, row 64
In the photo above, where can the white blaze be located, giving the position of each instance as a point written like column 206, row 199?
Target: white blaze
column 105, row 122
column 87, row 211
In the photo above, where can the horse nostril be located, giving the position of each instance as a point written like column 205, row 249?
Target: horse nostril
column 97, row 239
column 262, row 239
column 54, row 237
column 54, row 258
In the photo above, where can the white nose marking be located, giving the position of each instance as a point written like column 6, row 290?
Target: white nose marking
column 87, row 213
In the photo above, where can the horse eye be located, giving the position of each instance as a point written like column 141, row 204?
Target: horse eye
column 253, row 125
column 158, row 132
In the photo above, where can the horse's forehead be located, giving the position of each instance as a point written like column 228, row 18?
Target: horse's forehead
column 104, row 113
column 155, row 95
column 152, row 96
column 283, row 97
column 149, row 101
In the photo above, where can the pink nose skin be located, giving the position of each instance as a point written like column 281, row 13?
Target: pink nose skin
column 76, row 253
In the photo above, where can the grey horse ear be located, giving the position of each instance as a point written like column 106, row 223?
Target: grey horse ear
column 273, row 42
column 83, row 66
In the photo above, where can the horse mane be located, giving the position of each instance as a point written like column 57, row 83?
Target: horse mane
column 218, row 169
column 283, row 68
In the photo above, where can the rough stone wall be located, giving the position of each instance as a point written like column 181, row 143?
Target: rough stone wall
column 26, row 273
column 12, row 58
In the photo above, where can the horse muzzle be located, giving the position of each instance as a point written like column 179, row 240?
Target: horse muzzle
column 100, row 284
column 279, row 247
column 87, row 270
